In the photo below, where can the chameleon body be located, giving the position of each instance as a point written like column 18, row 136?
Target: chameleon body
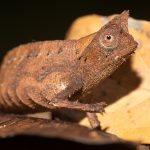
column 51, row 75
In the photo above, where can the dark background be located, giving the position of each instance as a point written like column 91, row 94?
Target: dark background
column 23, row 21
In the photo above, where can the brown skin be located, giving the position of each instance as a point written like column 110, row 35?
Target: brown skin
column 51, row 75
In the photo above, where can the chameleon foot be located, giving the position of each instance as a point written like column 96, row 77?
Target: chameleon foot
column 93, row 120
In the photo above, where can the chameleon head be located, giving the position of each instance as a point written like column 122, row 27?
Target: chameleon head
column 109, row 47
column 112, row 44
column 115, row 41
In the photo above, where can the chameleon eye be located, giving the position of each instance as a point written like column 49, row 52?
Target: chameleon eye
column 109, row 38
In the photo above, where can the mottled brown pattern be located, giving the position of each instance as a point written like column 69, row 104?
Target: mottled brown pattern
column 46, row 75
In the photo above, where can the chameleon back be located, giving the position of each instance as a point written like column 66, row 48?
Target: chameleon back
column 34, row 72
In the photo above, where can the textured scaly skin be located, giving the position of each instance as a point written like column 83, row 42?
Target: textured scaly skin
column 50, row 75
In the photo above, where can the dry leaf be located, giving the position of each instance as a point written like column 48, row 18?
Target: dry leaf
column 11, row 125
column 128, row 89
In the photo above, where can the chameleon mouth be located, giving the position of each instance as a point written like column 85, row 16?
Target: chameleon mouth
column 132, row 52
column 126, row 56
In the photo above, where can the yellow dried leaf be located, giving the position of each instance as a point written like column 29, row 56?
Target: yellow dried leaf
column 129, row 116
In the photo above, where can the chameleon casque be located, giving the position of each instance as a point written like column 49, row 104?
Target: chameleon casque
column 50, row 75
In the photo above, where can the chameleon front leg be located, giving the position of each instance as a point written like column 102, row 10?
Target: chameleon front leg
column 93, row 108
column 90, row 109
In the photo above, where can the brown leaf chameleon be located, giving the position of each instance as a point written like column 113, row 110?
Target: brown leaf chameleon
column 49, row 75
